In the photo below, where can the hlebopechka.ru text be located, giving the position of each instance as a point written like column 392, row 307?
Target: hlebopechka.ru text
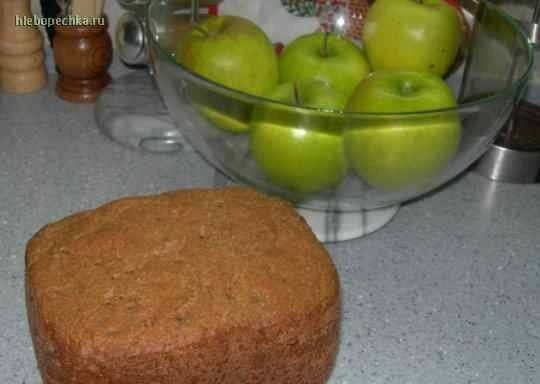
column 68, row 21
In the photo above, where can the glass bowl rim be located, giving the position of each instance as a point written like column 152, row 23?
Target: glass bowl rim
column 509, row 90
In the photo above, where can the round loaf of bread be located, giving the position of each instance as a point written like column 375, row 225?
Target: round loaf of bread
column 198, row 286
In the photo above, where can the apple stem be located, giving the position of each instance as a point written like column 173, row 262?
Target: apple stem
column 195, row 6
column 296, row 94
column 324, row 51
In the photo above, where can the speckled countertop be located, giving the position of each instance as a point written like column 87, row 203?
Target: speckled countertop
column 447, row 293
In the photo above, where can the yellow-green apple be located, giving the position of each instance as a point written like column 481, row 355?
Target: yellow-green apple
column 300, row 149
column 391, row 150
column 338, row 61
column 233, row 52
column 223, row 109
column 414, row 35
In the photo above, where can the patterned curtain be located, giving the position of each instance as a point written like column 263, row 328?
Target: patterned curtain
column 355, row 11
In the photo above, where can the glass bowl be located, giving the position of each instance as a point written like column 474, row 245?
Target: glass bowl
column 487, row 82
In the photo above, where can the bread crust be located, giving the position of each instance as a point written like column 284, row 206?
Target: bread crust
column 195, row 286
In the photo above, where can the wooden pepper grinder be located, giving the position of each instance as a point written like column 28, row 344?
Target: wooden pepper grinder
column 83, row 55
column 22, row 68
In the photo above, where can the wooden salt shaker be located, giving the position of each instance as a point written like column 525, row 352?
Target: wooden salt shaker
column 83, row 55
column 22, row 68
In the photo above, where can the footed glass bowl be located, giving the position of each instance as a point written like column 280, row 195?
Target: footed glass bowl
column 357, row 188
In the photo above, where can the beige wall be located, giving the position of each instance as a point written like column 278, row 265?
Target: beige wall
column 112, row 10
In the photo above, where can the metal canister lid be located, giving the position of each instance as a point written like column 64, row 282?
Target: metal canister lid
column 131, row 39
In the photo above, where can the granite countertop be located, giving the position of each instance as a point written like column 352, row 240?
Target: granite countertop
column 447, row 293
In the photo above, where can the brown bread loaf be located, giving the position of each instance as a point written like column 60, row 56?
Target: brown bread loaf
column 200, row 286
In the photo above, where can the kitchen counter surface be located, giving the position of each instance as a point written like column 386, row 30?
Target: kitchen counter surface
column 447, row 293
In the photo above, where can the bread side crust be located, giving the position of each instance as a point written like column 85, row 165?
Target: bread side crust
column 292, row 348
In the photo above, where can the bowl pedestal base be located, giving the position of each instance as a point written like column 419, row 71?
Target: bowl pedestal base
column 341, row 226
column 333, row 226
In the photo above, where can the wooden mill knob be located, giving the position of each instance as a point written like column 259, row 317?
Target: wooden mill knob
column 22, row 67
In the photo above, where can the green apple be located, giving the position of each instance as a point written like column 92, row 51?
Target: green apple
column 297, row 148
column 393, row 152
column 224, row 110
column 339, row 62
column 227, row 120
column 233, row 52
column 414, row 35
